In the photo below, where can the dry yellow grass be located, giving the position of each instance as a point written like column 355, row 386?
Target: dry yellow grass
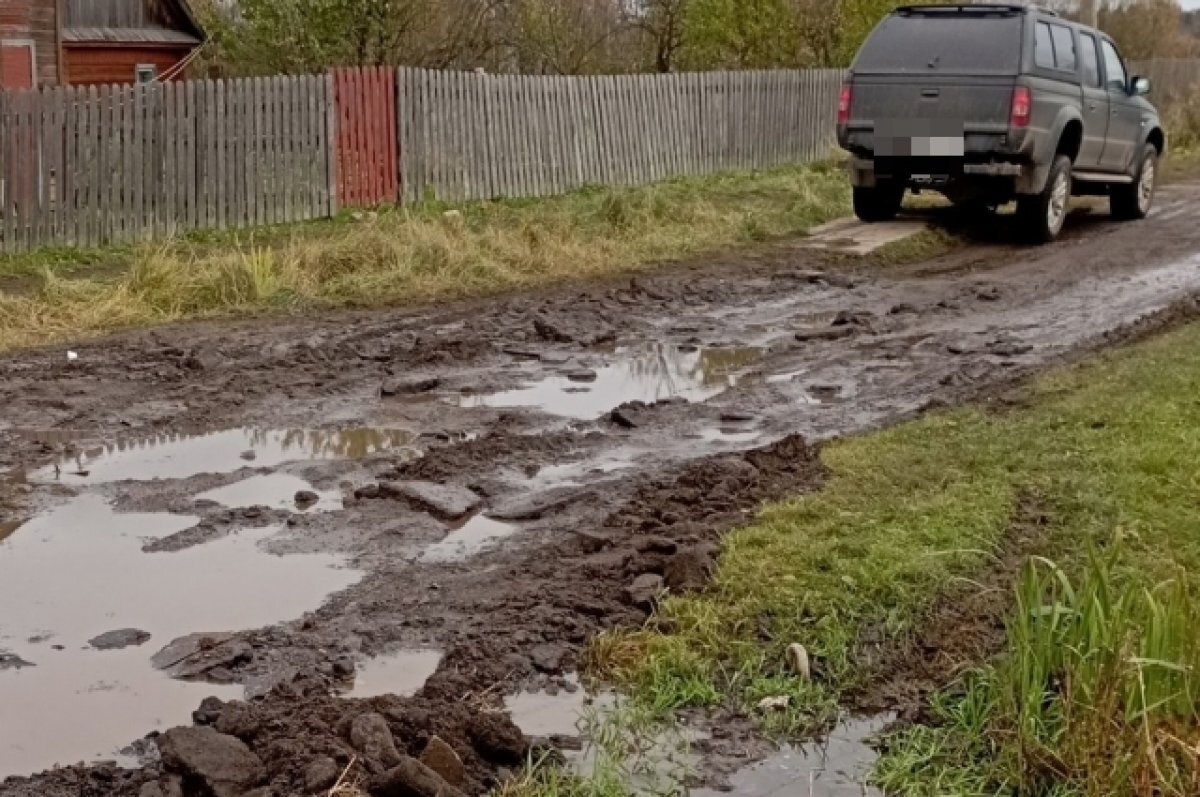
column 413, row 255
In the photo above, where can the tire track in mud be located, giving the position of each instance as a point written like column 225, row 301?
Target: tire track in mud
column 776, row 348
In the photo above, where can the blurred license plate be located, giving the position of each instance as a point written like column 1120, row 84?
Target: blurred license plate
column 919, row 138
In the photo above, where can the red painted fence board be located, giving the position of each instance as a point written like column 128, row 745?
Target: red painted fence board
column 365, row 101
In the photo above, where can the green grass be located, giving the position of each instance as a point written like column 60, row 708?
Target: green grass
column 915, row 511
column 424, row 252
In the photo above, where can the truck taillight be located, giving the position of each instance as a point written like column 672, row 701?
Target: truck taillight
column 844, row 100
column 1022, row 105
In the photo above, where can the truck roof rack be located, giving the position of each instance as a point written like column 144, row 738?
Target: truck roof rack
column 998, row 9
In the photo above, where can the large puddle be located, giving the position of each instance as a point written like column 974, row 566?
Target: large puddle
column 648, row 374
column 78, row 571
column 402, row 673
column 181, row 456
column 839, row 766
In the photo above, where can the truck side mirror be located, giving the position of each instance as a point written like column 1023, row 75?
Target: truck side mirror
column 1139, row 86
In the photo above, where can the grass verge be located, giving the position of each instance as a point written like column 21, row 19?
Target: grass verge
column 911, row 513
column 412, row 254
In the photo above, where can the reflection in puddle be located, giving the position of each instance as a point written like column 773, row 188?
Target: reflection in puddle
column 400, row 673
column 542, row 714
column 648, row 374
column 179, row 456
column 79, row 571
column 276, row 490
column 467, row 539
column 837, row 767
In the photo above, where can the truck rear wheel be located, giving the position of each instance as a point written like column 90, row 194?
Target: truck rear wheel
column 1042, row 215
column 880, row 202
column 1132, row 201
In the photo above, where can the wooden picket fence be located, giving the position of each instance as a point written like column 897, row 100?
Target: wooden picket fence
column 475, row 136
column 88, row 166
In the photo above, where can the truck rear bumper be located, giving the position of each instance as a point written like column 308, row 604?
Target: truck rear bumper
column 864, row 172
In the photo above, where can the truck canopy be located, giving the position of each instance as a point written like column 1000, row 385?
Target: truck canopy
column 947, row 40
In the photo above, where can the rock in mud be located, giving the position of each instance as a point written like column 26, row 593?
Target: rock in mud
column 11, row 661
column 411, row 778
column 644, row 591
column 591, row 541
column 988, row 293
column 367, row 492
column 497, row 738
column 195, row 655
column 306, row 498
column 690, row 569
column 586, row 329
column 408, row 387
column 582, row 376
column 623, row 417
column 737, row 416
column 239, row 719
column 548, row 657
column 322, row 773
column 446, row 501
column 441, row 758
column 371, row 736
column 209, row 711
column 121, row 638
column 824, row 333
column 223, row 764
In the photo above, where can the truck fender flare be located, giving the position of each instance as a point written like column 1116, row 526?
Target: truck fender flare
column 1034, row 179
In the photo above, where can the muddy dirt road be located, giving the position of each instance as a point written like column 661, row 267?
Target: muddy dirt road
column 413, row 514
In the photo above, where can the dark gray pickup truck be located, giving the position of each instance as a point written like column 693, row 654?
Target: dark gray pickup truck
column 991, row 103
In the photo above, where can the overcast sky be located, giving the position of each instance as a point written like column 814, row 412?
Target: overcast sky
column 1190, row 4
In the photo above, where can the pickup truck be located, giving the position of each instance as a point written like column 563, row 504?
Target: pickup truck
column 993, row 103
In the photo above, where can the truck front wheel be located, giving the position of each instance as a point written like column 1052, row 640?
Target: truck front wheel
column 880, row 202
column 1132, row 201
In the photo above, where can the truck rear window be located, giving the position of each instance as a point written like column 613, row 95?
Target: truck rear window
column 970, row 44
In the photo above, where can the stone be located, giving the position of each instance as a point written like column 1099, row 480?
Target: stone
column 497, row 738
column 407, row 387
column 644, row 590
column 209, row 711
column 591, row 541
column 824, row 333
column 548, row 657
column 988, row 293
column 737, row 416
column 582, row 376
column 223, row 764
column 321, row 773
column 446, row 501
column 441, row 758
column 410, row 778
column 306, row 498
column 343, row 666
column 623, row 418
column 238, row 719
column 690, row 569
column 903, row 308
column 121, row 638
column 367, row 491
column 11, row 661
column 249, row 455
column 195, row 655
column 371, row 736
column 655, row 544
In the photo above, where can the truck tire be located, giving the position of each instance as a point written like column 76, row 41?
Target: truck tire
column 878, row 203
column 1042, row 215
column 1132, row 201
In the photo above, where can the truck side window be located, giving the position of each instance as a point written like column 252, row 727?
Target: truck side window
column 1064, row 48
column 1043, row 51
column 1117, row 79
column 1091, row 61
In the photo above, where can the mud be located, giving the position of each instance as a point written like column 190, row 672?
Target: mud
column 698, row 400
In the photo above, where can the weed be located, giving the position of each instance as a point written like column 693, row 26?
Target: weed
column 914, row 511
column 409, row 254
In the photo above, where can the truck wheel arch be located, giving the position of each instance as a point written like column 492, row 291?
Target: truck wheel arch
column 1158, row 139
column 1068, row 132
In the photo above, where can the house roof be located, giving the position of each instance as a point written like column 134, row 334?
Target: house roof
column 128, row 36
column 131, row 21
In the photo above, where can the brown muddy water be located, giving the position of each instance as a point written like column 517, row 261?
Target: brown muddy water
column 79, row 569
column 649, row 373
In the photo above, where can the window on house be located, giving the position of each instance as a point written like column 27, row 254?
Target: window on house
column 146, row 73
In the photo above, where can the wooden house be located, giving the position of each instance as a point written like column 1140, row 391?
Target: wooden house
column 82, row 42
